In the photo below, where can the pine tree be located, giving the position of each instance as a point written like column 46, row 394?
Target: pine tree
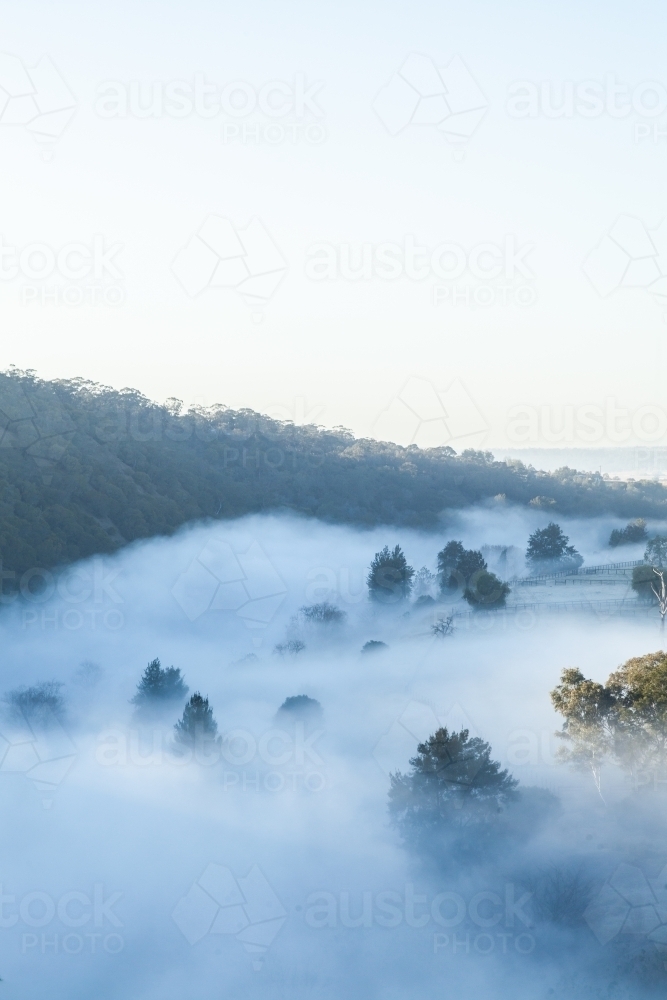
column 453, row 778
column 197, row 722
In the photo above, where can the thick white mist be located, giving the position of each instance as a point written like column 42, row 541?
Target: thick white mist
column 306, row 806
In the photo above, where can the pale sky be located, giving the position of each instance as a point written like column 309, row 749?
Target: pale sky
column 307, row 150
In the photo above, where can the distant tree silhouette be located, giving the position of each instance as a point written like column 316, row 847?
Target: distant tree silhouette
column 159, row 687
column 453, row 780
column 548, row 548
column 448, row 559
column 323, row 613
column 633, row 532
column 389, row 577
column 39, row 704
column 197, row 722
column 291, row 646
column 457, row 566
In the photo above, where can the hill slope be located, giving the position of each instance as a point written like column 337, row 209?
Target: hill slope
column 86, row 469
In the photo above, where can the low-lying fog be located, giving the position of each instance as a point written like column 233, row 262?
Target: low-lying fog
column 266, row 866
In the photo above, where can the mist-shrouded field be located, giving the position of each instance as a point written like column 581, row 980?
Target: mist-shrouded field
column 265, row 865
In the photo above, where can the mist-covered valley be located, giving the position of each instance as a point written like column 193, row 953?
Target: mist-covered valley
column 263, row 859
column 333, row 501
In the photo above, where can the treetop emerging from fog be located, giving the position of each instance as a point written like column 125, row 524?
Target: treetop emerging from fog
column 159, row 686
column 85, row 469
column 548, row 548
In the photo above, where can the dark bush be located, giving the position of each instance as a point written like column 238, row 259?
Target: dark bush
column 373, row 646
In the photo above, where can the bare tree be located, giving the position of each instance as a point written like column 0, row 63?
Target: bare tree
column 443, row 626
column 661, row 595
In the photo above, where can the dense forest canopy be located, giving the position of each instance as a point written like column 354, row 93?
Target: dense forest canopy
column 85, row 469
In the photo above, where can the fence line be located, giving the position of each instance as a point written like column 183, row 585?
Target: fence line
column 580, row 571
column 618, row 606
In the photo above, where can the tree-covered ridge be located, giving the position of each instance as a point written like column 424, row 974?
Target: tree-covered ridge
column 86, row 469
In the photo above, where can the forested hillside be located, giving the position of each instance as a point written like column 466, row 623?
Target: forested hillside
column 86, row 469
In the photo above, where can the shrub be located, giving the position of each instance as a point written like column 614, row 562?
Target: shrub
column 292, row 646
column 424, row 601
column 323, row 614
column 300, row 705
column 485, row 590
column 443, row 626
column 373, row 646
column 560, row 894
column 39, row 704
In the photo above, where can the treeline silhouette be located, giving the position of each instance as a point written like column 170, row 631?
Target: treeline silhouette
column 85, row 469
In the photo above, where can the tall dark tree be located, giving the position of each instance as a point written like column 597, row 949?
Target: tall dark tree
column 457, row 565
column 469, row 564
column 447, row 561
column 389, row 577
column 196, row 724
column 159, row 687
column 453, row 781
column 548, row 547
